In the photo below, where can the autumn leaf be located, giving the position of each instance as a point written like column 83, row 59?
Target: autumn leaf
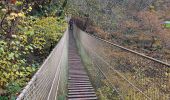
column 13, row 1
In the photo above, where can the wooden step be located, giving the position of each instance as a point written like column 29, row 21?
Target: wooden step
column 87, row 98
column 82, row 96
column 83, row 92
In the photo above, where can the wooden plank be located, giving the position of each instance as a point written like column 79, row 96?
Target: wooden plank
column 79, row 85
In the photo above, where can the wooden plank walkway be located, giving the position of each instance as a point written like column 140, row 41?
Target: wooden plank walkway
column 79, row 85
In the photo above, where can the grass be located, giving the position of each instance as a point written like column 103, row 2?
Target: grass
column 167, row 25
column 144, row 74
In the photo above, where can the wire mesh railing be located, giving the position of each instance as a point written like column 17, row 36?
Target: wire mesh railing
column 49, row 83
column 120, row 73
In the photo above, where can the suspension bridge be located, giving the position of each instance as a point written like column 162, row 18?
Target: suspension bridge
column 84, row 67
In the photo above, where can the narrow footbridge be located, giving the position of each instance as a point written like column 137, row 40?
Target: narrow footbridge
column 79, row 85
column 84, row 67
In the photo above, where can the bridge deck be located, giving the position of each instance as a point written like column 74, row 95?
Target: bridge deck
column 79, row 85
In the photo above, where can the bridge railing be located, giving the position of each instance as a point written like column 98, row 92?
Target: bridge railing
column 120, row 73
column 49, row 83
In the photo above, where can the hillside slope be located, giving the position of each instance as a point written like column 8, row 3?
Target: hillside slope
column 135, row 24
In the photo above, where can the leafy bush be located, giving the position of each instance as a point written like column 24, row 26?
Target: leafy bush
column 50, row 29
column 40, row 35
column 3, row 98
column 13, row 88
column 21, row 54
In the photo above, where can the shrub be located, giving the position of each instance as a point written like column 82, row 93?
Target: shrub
column 19, row 58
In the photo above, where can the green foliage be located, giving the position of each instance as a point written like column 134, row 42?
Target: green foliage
column 47, row 10
column 13, row 62
column 106, row 93
column 38, row 37
column 13, row 88
column 50, row 27
column 47, row 32
column 167, row 25
column 3, row 98
column 28, row 43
